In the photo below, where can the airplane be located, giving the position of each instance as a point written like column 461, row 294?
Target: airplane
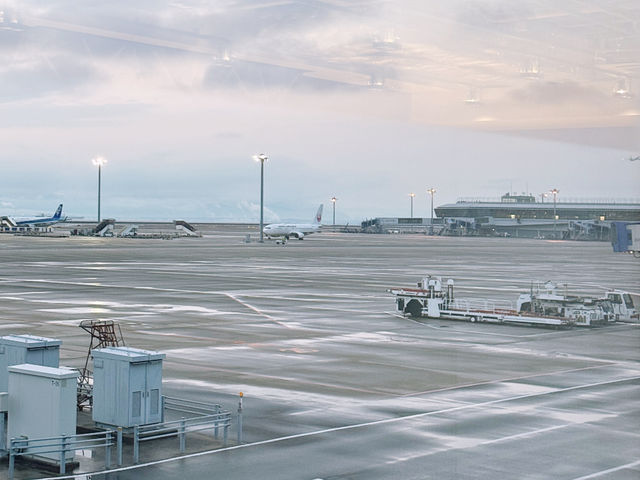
column 297, row 230
column 40, row 221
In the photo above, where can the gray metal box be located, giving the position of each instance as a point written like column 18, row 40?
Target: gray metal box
column 18, row 349
column 42, row 403
column 127, row 386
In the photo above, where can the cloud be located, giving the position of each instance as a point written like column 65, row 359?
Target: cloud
column 250, row 211
column 179, row 95
column 34, row 75
column 553, row 93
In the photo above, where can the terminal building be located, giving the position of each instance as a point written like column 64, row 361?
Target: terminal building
column 402, row 225
column 516, row 216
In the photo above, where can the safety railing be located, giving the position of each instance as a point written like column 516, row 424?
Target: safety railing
column 65, row 444
column 190, row 406
column 180, row 428
column 489, row 306
column 196, row 417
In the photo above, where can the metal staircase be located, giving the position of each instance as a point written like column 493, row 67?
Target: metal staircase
column 104, row 333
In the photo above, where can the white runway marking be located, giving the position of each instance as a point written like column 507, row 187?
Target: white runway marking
column 251, row 307
column 367, row 424
column 524, row 434
column 501, row 380
column 611, row 470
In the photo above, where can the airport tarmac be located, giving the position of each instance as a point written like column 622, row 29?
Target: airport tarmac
column 336, row 384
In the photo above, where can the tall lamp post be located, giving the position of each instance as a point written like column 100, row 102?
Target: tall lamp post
column 412, row 195
column 431, row 191
column 99, row 162
column 261, row 158
column 333, row 200
column 555, row 193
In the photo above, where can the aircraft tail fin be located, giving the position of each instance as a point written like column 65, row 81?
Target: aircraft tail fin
column 58, row 213
column 318, row 218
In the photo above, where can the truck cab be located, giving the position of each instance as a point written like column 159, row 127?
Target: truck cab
column 622, row 304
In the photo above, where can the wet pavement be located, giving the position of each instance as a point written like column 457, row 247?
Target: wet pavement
column 336, row 384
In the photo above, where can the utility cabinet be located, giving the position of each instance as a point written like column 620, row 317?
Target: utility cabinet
column 18, row 349
column 42, row 403
column 127, row 386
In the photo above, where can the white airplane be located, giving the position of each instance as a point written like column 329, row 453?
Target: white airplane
column 297, row 230
column 40, row 221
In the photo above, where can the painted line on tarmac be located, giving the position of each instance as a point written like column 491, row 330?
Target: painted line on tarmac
column 361, row 425
column 259, row 312
column 289, row 380
column 611, row 470
column 108, row 285
column 478, row 444
column 511, row 379
column 525, row 434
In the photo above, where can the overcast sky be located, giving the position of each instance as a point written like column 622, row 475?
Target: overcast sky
column 348, row 98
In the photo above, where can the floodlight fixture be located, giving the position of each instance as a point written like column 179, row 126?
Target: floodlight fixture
column 334, row 200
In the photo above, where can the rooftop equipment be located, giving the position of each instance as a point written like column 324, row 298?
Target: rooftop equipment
column 42, row 403
column 18, row 349
column 127, row 386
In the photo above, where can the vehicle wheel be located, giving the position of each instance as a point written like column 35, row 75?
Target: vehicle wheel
column 413, row 308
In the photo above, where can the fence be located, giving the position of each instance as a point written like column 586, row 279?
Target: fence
column 189, row 406
column 198, row 409
column 64, row 444
column 201, row 416
column 180, row 428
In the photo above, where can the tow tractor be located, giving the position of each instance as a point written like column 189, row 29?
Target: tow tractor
column 622, row 305
column 431, row 300
column 586, row 311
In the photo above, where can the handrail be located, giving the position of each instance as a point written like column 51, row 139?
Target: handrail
column 173, row 403
column 194, row 421
column 63, row 444
column 494, row 306
column 179, row 428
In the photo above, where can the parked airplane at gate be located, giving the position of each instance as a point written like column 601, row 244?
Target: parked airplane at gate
column 40, row 221
column 297, row 230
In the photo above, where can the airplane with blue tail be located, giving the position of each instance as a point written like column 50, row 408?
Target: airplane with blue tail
column 41, row 221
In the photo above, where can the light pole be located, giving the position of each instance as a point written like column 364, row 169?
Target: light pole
column 261, row 158
column 431, row 191
column 555, row 193
column 543, row 196
column 99, row 162
column 412, row 195
column 333, row 200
